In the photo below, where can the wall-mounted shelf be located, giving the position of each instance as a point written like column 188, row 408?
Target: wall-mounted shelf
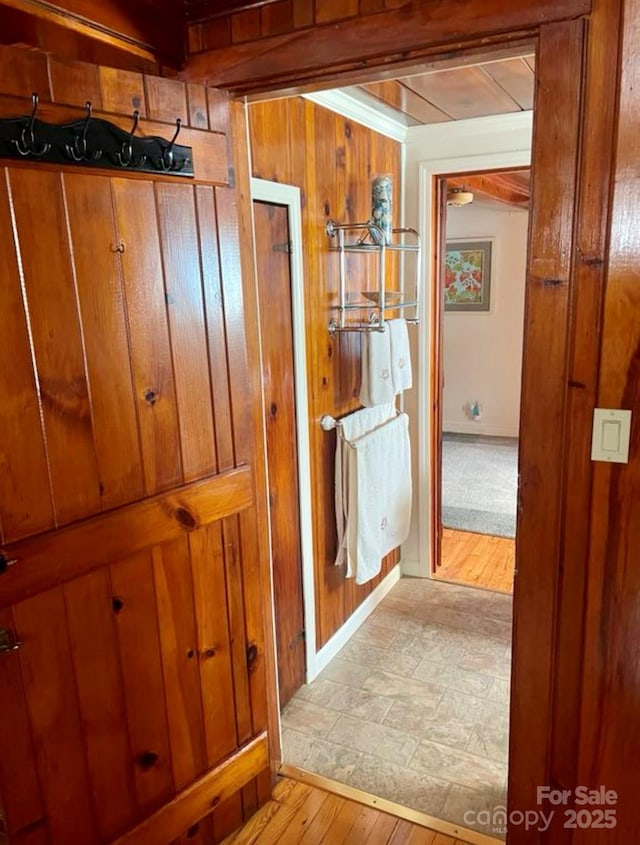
column 380, row 300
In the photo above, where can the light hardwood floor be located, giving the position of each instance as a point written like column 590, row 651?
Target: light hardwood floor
column 300, row 814
column 477, row 559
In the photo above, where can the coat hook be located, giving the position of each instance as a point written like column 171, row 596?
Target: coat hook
column 119, row 247
column 125, row 156
column 78, row 150
column 27, row 143
column 167, row 161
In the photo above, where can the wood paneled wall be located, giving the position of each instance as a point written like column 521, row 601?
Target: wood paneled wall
column 212, row 26
column 128, row 484
column 332, row 161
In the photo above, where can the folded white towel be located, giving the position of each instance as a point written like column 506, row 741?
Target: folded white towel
column 380, row 492
column 401, row 374
column 377, row 383
column 352, row 427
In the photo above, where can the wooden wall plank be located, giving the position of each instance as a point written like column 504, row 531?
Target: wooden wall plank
column 55, row 722
column 218, row 104
column 325, row 203
column 237, row 629
column 183, row 284
column 94, row 651
column 350, row 198
column 122, row 91
column 213, row 642
column 22, row 71
column 257, row 656
column 215, row 316
column 198, row 107
column 21, row 798
column 73, row 83
column 234, row 317
column 57, row 340
column 98, row 276
column 268, row 126
column 139, row 648
column 24, row 476
column 228, row 817
column 166, row 100
column 66, row 554
column 178, row 639
column 545, row 377
column 149, row 336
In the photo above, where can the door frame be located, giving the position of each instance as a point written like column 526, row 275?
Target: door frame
column 288, row 196
column 430, row 342
column 569, row 224
column 506, row 141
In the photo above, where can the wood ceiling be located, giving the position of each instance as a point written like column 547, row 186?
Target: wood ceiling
column 496, row 87
column 496, row 190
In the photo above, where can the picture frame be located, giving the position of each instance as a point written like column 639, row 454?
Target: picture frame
column 467, row 275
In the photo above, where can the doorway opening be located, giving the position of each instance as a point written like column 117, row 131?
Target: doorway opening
column 413, row 706
column 482, row 264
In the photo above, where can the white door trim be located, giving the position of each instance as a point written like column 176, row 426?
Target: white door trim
column 289, row 196
column 512, row 149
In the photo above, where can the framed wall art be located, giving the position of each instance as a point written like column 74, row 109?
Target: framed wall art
column 467, row 276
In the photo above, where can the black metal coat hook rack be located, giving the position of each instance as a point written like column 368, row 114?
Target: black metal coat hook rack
column 93, row 142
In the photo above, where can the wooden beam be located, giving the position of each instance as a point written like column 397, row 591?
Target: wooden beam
column 389, row 37
column 127, row 27
column 59, row 556
column 201, row 798
column 545, row 383
column 495, row 186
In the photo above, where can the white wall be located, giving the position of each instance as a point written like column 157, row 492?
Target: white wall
column 463, row 146
column 483, row 349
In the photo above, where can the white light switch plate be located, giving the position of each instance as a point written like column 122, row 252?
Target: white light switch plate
column 611, row 433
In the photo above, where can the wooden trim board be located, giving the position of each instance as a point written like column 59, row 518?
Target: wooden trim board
column 53, row 558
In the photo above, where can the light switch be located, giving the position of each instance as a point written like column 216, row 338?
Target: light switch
column 610, row 435
column 611, row 432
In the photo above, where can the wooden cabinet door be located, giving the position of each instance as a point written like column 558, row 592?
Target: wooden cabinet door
column 127, row 579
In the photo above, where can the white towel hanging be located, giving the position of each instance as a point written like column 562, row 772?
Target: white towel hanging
column 377, row 383
column 350, row 429
column 380, row 492
column 401, row 373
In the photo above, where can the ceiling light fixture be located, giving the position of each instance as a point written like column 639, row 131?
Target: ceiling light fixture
column 458, row 196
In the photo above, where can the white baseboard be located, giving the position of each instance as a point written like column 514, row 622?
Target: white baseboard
column 414, row 569
column 343, row 634
column 468, row 427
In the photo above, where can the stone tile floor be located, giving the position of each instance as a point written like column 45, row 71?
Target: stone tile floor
column 414, row 708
